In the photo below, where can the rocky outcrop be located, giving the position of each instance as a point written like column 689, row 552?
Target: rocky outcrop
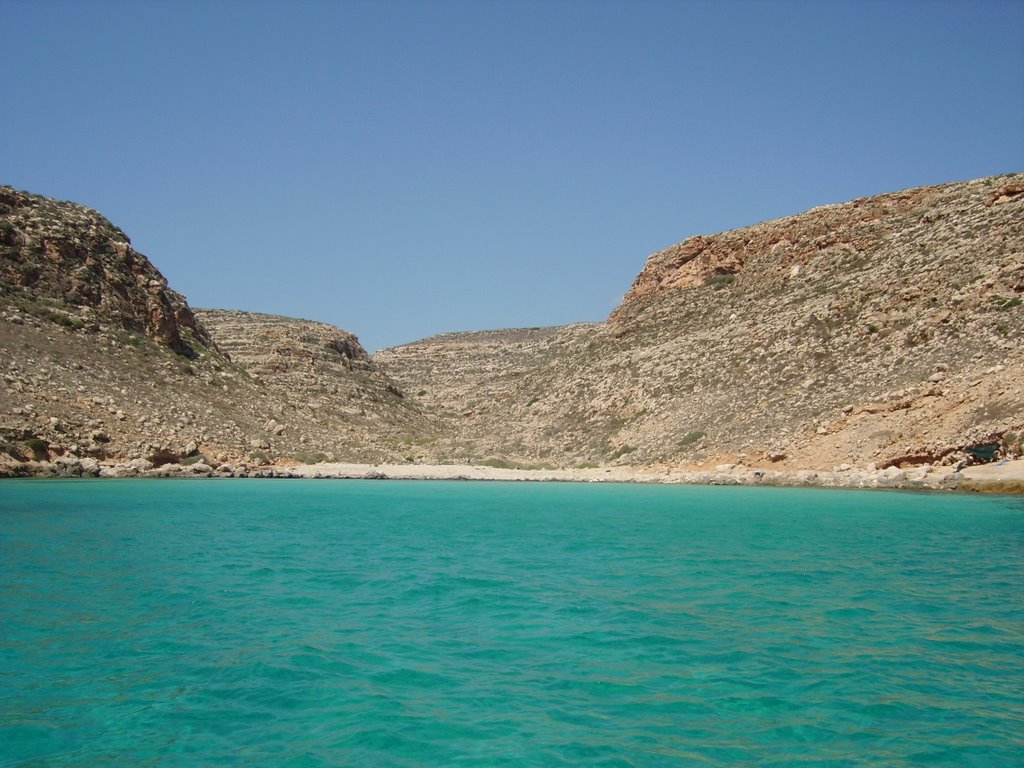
column 916, row 234
column 875, row 343
column 67, row 263
column 885, row 331
column 74, row 393
column 318, row 368
column 287, row 347
column 107, row 364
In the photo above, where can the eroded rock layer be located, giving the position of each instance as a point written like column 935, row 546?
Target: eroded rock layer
column 67, row 262
column 886, row 330
column 102, row 361
column 321, row 372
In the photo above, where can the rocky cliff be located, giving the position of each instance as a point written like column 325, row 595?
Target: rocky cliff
column 886, row 330
column 466, row 380
column 917, row 234
column 103, row 361
column 337, row 400
column 66, row 262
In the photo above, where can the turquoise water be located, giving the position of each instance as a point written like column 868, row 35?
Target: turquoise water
column 362, row 623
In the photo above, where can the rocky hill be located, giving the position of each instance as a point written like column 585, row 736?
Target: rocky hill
column 337, row 400
column 103, row 361
column 66, row 263
column 886, row 330
column 462, row 379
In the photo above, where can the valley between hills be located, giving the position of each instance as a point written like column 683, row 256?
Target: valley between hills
column 877, row 342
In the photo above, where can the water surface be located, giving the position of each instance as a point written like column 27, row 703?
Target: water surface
column 362, row 623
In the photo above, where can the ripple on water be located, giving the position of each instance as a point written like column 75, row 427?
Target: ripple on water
column 419, row 624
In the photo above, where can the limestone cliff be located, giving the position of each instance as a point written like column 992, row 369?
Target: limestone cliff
column 916, row 233
column 104, row 361
column 66, row 261
column 885, row 331
column 888, row 330
column 322, row 373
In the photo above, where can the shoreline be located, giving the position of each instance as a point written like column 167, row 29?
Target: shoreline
column 998, row 477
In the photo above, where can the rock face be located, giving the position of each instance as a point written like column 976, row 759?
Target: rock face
column 285, row 348
column 66, row 261
column 322, row 372
column 105, row 362
column 887, row 330
column 464, row 381
column 95, row 394
column 918, row 234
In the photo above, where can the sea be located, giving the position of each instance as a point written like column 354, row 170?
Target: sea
column 415, row 623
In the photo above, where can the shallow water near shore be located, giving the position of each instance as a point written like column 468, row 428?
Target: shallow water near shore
column 362, row 623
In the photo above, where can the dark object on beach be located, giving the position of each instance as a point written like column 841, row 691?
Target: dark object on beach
column 983, row 453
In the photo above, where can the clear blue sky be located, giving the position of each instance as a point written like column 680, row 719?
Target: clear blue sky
column 407, row 168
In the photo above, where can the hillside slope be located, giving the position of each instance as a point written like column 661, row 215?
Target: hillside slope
column 336, row 399
column 461, row 377
column 103, row 361
column 887, row 330
column 66, row 263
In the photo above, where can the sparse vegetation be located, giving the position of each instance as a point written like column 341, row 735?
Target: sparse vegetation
column 721, row 281
column 498, row 463
column 311, row 458
column 40, row 448
column 764, row 364
column 691, row 438
column 71, row 323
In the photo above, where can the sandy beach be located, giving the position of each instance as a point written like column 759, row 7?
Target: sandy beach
column 998, row 477
column 1001, row 477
